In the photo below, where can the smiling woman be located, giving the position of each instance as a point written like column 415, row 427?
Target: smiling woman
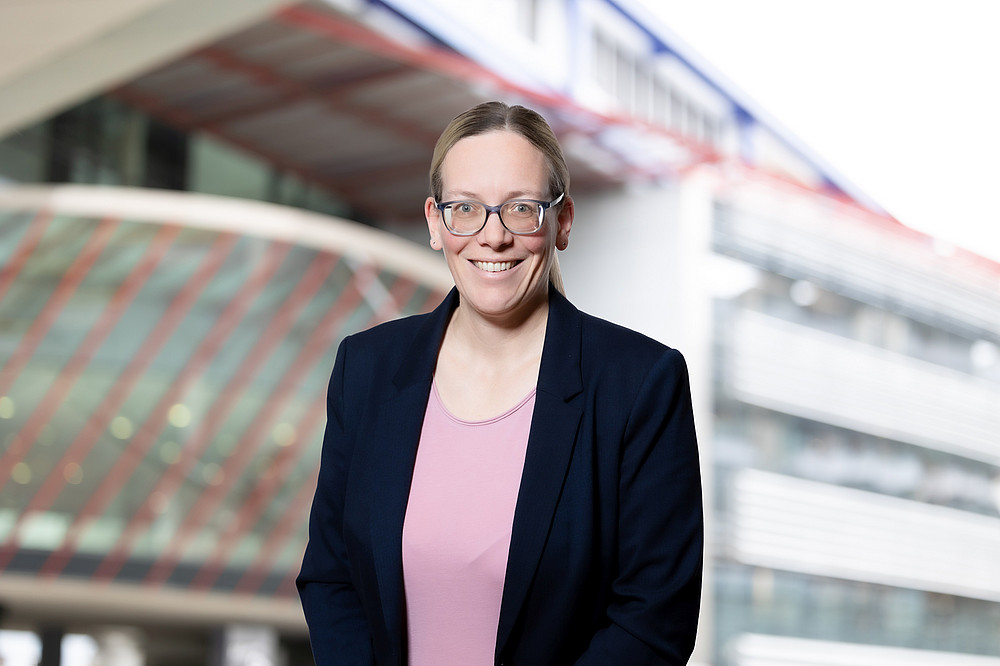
column 506, row 479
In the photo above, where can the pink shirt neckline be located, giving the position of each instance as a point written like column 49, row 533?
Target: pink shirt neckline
column 494, row 419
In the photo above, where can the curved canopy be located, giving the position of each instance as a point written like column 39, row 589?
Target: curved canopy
column 163, row 378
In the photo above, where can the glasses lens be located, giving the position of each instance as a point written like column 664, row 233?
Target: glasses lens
column 464, row 216
column 521, row 216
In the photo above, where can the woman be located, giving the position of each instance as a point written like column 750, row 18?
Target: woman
column 506, row 479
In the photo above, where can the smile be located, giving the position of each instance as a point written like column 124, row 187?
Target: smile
column 495, row 266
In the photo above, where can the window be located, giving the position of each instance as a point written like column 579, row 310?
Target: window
column 635, row 85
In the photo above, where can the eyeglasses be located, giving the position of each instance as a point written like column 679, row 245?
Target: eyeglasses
column 518, row 216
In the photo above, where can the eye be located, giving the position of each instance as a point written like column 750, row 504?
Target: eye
column 521, row 208
column 465, row 208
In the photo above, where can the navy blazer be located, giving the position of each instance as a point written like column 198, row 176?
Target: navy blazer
column 606, row 547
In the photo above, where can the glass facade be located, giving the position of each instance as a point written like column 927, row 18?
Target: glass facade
column 760, row 438
column 780, row 603
column 874, row 323
column 163, row 396
column 828, row 308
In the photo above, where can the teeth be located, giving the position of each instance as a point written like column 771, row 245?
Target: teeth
column 494, row 266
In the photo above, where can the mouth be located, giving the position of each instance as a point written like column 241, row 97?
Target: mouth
column 495, row 266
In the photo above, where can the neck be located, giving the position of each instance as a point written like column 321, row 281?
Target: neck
column 501, row 339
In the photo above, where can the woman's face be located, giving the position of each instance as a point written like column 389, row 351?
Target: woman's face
column 493, row 168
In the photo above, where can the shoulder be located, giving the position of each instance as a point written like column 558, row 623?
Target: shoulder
column 602, row 348
column 387, row 334
column 385, row 347
column 614, row 338
column 610, row 350
column 406, row 335
column 403, row 350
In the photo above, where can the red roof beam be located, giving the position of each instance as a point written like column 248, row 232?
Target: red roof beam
column 147, row 434
column 216, row 414
column 92, row 430
column 71, row 279
column 258, row 429
column 67, row 286
column 292, row 90
column 54, row 397
column 29, row 241
column 328, row 93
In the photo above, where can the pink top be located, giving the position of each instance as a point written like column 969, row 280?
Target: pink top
column 456, row 533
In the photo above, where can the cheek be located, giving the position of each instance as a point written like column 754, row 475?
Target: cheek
column 541, row 245
column 452, row 244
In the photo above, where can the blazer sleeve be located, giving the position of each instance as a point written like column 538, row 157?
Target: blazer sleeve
column 656, row 592
column 338, row 631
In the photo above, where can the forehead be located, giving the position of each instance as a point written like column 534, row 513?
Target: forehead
column 495, row 163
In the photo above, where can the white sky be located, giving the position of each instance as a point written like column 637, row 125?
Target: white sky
column 900, row 96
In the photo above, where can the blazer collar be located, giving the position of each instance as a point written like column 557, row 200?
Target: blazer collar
column 421, row 358
column 560, row 373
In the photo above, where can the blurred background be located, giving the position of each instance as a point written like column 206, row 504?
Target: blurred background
column 198, row 201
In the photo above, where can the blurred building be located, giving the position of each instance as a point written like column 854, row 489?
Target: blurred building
column 201, row 199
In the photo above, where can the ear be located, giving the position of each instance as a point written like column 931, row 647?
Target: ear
column 434, row 222
column 564, row 223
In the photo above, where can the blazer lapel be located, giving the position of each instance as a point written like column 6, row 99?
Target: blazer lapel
column 395, row 435
column 551, row 439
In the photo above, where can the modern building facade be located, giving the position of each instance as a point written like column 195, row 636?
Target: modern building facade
column 199, row 202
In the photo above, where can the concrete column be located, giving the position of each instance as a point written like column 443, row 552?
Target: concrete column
column 119, row 646
column 246, row 645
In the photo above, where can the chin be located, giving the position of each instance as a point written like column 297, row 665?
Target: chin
column 502, row 302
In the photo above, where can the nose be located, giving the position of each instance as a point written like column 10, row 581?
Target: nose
column 494, row 233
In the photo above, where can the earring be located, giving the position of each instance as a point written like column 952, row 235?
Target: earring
column 434, row 244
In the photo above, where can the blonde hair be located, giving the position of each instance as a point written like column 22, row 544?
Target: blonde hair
column 494, row 116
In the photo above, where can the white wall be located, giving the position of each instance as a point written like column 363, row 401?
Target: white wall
column 641, row 257
column 633, row 256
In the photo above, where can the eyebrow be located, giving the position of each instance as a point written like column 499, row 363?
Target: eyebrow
column 514, row 194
